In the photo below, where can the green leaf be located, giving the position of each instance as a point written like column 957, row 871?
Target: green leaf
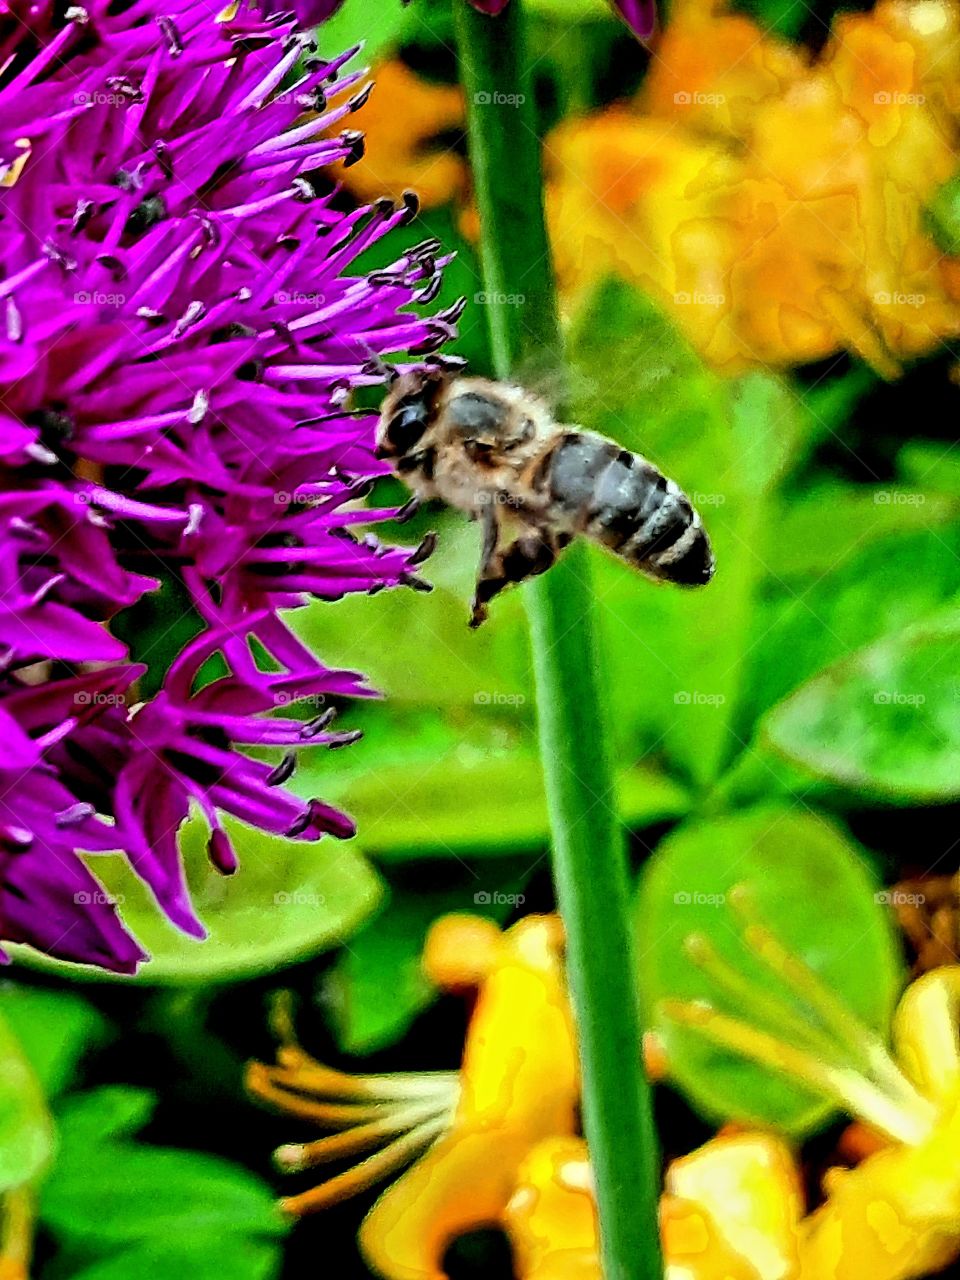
column 288, row 901
column 885, row 721
column 814, row 891
column 873, row 592
column 26, row 1130
column 378, row 28
column 785, row 17
column 112, row 1111
column 207, row 1258
column 442, row 806
column 942, row 216
column 816, row 533
column 138, row 1193
column 377, row 987
column 54, row 1027
column 929, row 465
column 675, row 657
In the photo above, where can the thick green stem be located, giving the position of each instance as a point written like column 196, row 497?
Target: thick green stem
column 589, row 861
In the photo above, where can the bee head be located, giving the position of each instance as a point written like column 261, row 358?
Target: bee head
column 408, row 410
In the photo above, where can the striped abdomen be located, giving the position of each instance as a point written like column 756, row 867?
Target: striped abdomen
column 623, row 502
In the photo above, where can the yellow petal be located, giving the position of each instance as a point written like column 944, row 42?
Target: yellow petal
column 925, row 1034
column 896, row 1216
column 747, row 1188
column 519, row 1086
column 551, row 1217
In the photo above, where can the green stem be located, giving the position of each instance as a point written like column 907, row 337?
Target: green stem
column 589, row 862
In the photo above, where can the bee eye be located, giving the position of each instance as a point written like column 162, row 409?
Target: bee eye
column 406, row 427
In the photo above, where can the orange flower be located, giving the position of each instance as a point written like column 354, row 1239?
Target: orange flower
column 775, row 207
column 517, row 1085
column 404, row 123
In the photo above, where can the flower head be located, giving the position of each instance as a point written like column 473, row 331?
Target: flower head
column 180, row 331
column 471, row 1129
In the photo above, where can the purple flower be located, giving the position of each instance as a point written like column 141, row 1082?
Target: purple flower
column 180, row 332
column 639, row 15
column 309, row 13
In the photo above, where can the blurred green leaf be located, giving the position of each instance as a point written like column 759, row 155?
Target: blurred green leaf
column 378, row 28
column 377, row 986
column 26, row 1130
column 820, row 530
column 929, row 464
column 727, row 444
column 205, row 1259
column 487, row 802
column 54, row 1027
column 885, row 721
column 942, row 216
column 813, row 889
column 112, row 1111
column 132, row 1193
column 874, row 591
column 785, row 17
column 288, row 901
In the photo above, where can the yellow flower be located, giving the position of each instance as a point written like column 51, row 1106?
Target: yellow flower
column 472, row 1130
column 735, row 1208
column 773, row 205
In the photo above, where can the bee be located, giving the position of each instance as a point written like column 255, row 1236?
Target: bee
column 495, row 452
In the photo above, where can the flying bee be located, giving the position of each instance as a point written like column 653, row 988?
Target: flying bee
column 495, row 452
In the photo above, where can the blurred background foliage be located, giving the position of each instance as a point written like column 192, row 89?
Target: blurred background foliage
column 796, row 726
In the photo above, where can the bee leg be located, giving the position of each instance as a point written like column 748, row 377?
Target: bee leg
column 531, row 554
column 488, row 556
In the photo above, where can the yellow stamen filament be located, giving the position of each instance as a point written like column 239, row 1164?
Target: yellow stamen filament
column 260, row 1082
column 308, row 1075
column 298, row 1156
column 754, row 1000
column 901, row 1119
column 368, row 1172
column 855, row 1040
